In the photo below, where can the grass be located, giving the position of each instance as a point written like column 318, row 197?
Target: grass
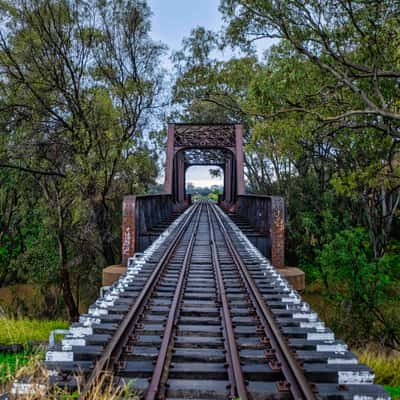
column 11, row 363
column 34, row 371
column 385, row 366
column 29, row 363
column 394, row 391
column 23, row 331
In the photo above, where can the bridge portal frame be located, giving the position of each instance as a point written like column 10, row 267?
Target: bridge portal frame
column 266, row 214
column 224, row 137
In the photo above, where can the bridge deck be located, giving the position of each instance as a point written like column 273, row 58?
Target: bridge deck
column 202, row 314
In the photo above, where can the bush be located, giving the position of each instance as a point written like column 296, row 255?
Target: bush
column 363, row 288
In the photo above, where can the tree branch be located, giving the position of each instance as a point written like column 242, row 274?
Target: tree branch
column 33, row 171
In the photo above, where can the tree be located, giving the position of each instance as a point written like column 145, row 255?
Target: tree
column 80, row 82
column 354, row 43
column 322, row 129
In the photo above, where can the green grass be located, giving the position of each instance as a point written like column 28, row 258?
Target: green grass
column 11, row 363
column 23, row 331
column 394, row 391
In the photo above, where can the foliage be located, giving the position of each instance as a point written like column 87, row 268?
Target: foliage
column 39, row 262
column 394, row 391
column 79, row 85
column 362, row 286
column 353, row 43
column 213, row 195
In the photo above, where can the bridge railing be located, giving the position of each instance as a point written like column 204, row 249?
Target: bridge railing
column 266, row 214
column 139, row 214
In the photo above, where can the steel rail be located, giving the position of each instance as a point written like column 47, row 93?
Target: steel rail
column 115, row 346
column 298, row 384
column 160, row 367
column 238, row 386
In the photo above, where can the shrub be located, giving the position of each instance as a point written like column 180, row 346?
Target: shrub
column 362, row 288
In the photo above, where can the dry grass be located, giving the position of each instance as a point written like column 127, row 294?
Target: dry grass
column 386, row 365
column 36, row 374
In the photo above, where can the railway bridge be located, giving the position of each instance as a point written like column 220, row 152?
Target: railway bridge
column 261, row 217
column 204, row 307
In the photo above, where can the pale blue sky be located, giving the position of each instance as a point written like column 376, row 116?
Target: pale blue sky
column 172, row 21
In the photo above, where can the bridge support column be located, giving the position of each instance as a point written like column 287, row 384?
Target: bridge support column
column 277, row 231
column 240, row 189
column 128, row 228
column 228, row 181
column 113, row 272
column 295, row 276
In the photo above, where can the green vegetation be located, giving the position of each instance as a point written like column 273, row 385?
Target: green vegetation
column 74, row 103
column 10, row 364
column 23, row 331
column 203, row 192
column 322, row 115
column 321, row 110
column 394, row 391
column 30, row 365
column 386, row 366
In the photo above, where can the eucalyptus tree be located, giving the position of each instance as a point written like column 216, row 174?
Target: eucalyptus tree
column 354, row 42
column 345, row 59
column 80, row 80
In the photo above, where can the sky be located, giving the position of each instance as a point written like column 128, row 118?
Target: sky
column 172, row 21
column 200, row 177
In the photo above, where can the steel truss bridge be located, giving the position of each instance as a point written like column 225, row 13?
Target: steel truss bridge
column 203, row 309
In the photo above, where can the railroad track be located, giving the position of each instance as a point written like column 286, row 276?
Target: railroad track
column 202, row 314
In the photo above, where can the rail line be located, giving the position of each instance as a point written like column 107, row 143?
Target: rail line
column 202, row 314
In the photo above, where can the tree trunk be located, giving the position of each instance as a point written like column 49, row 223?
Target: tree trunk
column 103, row 223
column 72, row 308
